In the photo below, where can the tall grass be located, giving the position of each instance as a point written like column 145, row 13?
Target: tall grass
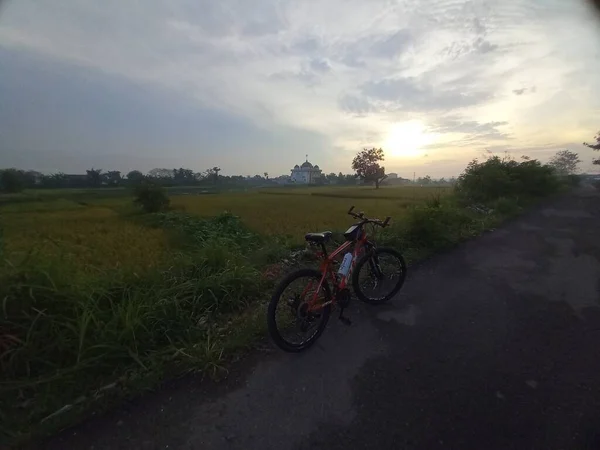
column 63, row 336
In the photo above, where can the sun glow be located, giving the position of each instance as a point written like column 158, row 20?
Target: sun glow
column 407, row 139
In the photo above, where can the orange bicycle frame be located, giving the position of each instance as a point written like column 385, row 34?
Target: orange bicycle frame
column 327, row 269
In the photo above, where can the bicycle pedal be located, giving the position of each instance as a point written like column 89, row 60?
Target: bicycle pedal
column 345, row 321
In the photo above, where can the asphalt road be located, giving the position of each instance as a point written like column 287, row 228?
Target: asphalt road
column 494, row 345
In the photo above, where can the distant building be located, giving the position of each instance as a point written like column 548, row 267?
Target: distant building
column 306, row 173
column 392, row 176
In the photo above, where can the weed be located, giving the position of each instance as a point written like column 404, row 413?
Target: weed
column 151, row 198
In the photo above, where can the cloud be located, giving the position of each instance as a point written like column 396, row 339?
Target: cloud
column 319, row 65
column 392, row 45
column 355, row 105
column 483, row 131
column 413, row 94
column 282, row 72
column 77, row 115
column 522, row 91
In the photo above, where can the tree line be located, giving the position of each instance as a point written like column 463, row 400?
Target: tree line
column 15, row 180
column 366, row 165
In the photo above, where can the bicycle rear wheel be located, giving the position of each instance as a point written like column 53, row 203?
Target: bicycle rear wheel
column 296, row 317
column 379, row 275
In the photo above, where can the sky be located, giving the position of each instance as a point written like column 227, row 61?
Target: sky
column 254, row 86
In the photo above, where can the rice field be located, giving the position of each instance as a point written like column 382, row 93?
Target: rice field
column 96, row 232
column 292, row 212
column 87, row 238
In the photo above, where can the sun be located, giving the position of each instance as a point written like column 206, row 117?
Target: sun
column 407, row 139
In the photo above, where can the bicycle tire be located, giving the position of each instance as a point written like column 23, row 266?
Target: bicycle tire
column 272, row 310
column 356, row 282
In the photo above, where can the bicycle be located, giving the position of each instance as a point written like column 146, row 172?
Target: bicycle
column 313, row 306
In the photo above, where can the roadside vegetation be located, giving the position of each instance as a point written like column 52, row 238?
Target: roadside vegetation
column 105, row 294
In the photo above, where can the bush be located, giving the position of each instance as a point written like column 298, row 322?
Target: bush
column 506, row 207
column 11, row 181
column 484, row 182
column 437, row 227
column 151, row 198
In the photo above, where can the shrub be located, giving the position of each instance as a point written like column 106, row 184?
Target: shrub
column 151, row 198
column 437, row 227
column 506, row 206
column 11, row 181
column 494, row 178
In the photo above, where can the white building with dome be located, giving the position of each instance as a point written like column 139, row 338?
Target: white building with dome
column 306, row 173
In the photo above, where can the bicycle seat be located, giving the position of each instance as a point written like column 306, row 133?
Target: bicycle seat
column 318, row 238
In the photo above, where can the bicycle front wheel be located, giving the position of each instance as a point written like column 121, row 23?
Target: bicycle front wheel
column 379, row 275
column 299, row 310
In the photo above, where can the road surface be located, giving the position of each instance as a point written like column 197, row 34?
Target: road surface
column 494, row 345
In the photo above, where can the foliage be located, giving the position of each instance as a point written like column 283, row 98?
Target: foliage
column 438, row 225
column 63, row 336
column 425, row 181
column 483, row 182
column 366, row 165
column 94, row 177
column 565, row 162
column 506, row 207
column 11, row 180
column 113, row 178
column 151, row 197
column 595, row 146
column 135, row 176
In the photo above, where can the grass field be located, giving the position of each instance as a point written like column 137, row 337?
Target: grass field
column 293, row 212
column 97, row 231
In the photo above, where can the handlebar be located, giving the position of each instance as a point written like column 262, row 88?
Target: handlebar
column 361, row 215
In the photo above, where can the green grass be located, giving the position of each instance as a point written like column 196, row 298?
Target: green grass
column 64, row 336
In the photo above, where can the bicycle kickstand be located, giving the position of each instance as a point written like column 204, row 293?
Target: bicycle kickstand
column 343, row 319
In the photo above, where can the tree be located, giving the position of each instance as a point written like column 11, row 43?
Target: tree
column 565, row 162
column 366, row 165
column 135, row 176
column 94, row 176
column 32, row 178
column 216, row 171
column 595, row 146
column 56, row 180
column 113, row 177
column 11, row 180
column 266, row 174
column 184, row 176
column 151, row 197
column 424, row 181
column 332, row 178
column 161, row 174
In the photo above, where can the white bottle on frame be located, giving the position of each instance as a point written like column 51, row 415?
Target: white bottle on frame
column 345, row 266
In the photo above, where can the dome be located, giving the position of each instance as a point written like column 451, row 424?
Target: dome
column 306, row 165
column 316, row 167
column 296, row 166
